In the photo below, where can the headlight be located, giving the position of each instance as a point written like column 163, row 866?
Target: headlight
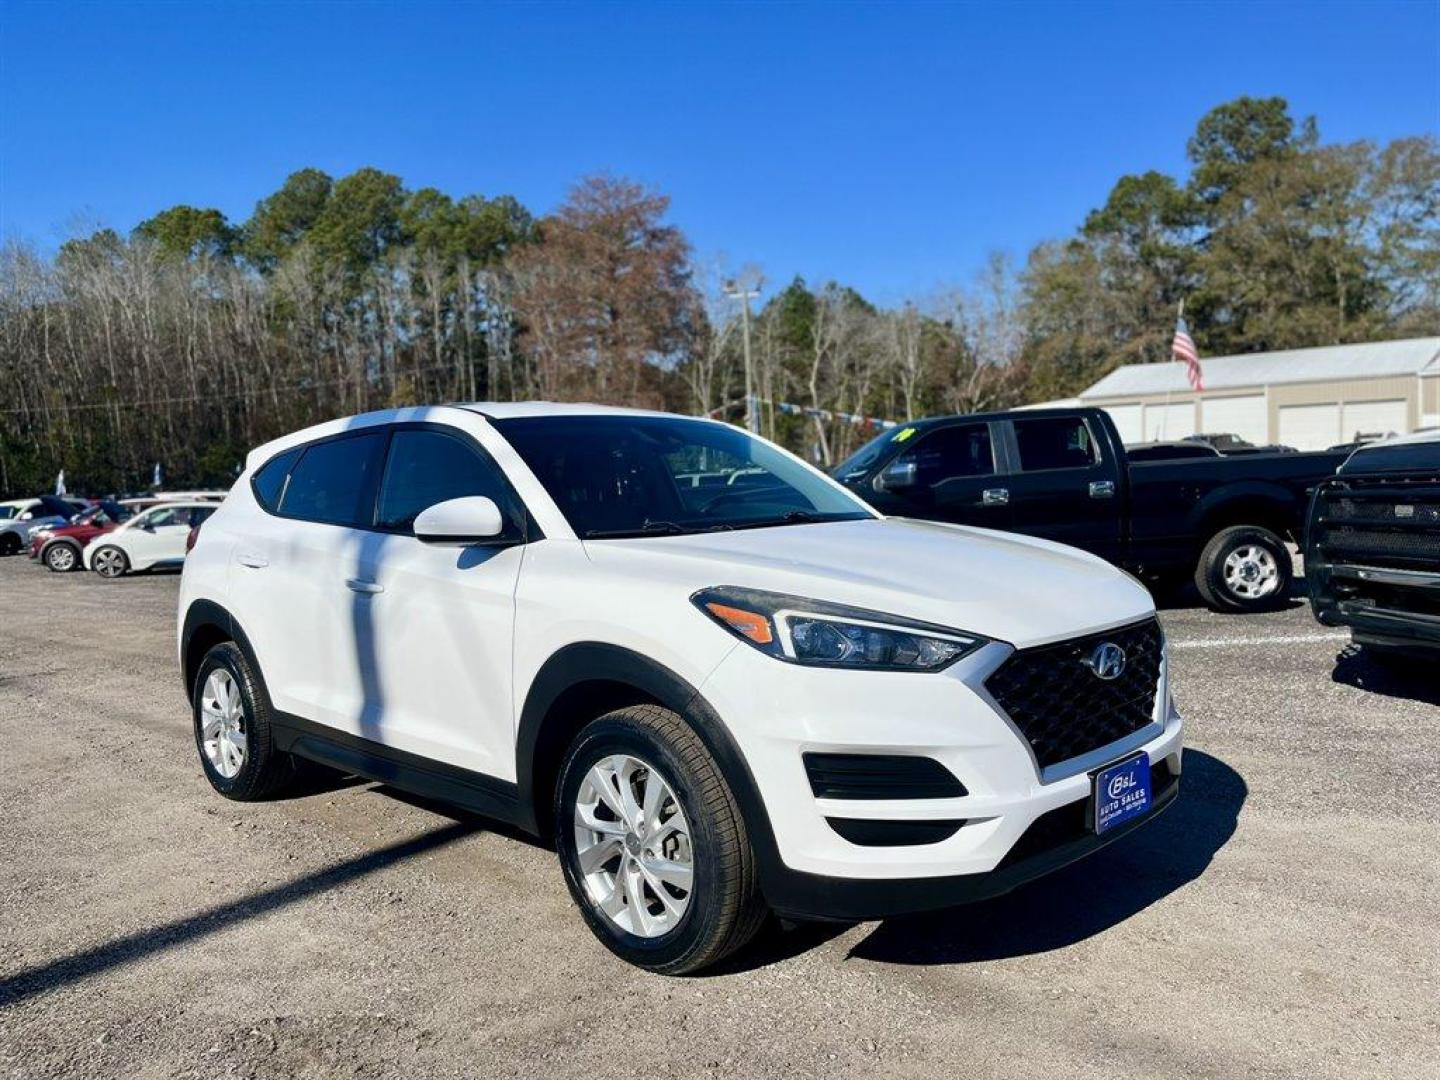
column 818, row 634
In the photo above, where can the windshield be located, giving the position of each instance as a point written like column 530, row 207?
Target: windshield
column 858, row 463
column 1412, row 456
column 615, row 476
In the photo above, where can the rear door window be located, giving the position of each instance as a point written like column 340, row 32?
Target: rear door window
column 428, row 467
column 1055, row 443
column 334, row 482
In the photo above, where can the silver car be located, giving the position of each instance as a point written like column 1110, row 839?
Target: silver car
column 20, row 518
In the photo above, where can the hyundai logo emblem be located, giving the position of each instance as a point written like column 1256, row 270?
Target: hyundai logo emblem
column 1107, row 661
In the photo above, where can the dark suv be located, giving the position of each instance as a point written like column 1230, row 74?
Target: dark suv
column 1372, row 555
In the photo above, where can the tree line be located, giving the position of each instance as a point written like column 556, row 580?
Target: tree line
column 194, row 338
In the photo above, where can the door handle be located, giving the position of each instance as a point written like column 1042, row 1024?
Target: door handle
column 995, row 496
column 255, row 562
column 369, row 588
column 1102, row 489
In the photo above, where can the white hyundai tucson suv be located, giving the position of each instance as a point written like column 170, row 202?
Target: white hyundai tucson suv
column 717, row 681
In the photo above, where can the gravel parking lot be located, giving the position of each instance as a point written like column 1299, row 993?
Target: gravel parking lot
column 1282, row 919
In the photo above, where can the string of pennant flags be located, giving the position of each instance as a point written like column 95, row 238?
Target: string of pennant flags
column 791, row 408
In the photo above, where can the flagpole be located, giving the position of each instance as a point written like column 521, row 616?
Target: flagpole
column 1165, row 417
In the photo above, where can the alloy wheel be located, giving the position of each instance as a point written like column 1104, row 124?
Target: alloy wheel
column 633, row 846
column 109, row 562
column 222, row 724
column 61, row 558
column 1251, row 572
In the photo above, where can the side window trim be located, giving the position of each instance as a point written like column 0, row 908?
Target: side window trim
column 516, row 512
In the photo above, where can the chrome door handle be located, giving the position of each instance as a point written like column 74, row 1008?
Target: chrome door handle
column 1102, row 489
column 995, row 496
column 369, row 588
column 255, row 562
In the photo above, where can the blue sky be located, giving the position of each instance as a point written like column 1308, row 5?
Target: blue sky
column 888, row 146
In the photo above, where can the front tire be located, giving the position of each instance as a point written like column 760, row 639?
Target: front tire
column 10, row 544
column 1244, row 568
column 61, row 558
column 233, row 734
column 110, row 562
column 653, row 844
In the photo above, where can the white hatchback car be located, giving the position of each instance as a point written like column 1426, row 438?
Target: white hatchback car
column 155, row 537
column 716, row 700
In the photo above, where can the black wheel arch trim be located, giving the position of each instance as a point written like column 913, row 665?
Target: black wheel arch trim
column 584, row 662
column 203, row 614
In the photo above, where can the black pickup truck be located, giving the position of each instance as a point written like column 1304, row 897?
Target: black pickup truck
column 1062, row 474
column 1372, row 560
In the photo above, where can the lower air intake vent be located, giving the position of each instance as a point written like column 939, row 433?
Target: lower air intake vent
column 880, row 776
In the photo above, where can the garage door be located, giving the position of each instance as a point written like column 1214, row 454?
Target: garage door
column 1245, row 416
column 1127, row 421
column 1164, row 423
column 1375, row 418
column 1310, row 427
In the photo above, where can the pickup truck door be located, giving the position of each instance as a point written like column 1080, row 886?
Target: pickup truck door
column 1062, row 486
column 950, row 474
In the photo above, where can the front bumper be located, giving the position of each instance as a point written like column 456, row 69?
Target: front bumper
column 1393, row 608
column 777, row 713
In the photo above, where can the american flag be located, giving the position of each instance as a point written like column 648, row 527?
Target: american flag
column 1183, row 348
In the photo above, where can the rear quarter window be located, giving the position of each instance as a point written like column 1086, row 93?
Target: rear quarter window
column 268, row 482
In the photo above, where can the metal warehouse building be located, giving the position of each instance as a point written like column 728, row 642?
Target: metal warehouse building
column 1305, row 398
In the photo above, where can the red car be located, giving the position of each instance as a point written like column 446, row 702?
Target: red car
column 59, row 548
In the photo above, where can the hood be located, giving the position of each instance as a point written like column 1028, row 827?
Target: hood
column 1003, row 586
column 81, row 531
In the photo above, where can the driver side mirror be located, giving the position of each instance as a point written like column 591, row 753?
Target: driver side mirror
column 473, row 519
column 899, row 476
column 147, row 526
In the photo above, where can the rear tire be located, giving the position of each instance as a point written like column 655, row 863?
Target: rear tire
column 61, row 558
column 233, row 733
column 1244, row 568
column 695, row 822
column 110, row 562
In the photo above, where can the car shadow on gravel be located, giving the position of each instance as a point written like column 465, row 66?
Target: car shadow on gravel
column 1396, row 677
column 1085, row 898
column 117, row 953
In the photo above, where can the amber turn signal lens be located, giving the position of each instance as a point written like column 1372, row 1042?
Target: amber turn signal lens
column 753, row 626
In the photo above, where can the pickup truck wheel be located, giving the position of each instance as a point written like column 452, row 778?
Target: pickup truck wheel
column 653, row 844
column 1244, row 568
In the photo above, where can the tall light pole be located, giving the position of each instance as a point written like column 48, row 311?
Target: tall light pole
column 736, row 291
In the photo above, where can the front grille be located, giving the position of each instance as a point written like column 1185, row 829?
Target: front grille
column 1385, row 523
column 1346, row 543
column 1063, row 709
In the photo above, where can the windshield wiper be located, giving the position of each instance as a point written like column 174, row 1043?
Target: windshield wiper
column 793, row 517
column 647, row 528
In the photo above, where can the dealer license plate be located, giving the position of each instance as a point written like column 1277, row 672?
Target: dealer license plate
column 1121, row 793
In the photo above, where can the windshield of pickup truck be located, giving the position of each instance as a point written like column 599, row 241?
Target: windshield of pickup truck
column 619, row 476
column 1410, row 455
